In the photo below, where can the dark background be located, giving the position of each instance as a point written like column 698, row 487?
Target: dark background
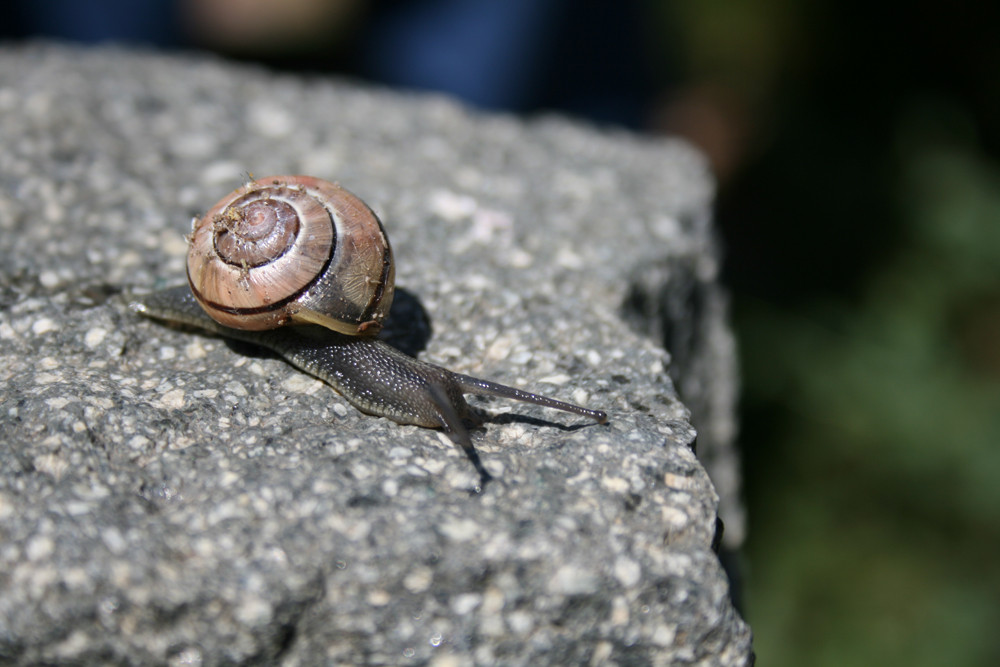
column 857, row 154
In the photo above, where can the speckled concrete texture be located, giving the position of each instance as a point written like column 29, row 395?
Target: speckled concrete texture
column 168, row 497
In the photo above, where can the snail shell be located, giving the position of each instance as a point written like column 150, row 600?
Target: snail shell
column 292, row 249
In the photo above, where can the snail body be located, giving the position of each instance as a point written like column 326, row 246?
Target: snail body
column 290, row 250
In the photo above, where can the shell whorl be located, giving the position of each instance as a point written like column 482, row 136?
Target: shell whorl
column 292, row 249
column 255, row 233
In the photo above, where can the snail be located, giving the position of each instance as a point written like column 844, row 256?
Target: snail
column 296, row 250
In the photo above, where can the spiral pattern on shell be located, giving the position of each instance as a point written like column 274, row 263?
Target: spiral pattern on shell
column 292, row 249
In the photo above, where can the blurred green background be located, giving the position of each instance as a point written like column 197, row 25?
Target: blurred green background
column 864, row 244
column 863, row 231
column 857, row 147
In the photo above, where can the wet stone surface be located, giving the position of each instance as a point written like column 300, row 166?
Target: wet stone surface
column 168, row 497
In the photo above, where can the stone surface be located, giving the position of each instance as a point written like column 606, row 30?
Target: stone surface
column 167, row 497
